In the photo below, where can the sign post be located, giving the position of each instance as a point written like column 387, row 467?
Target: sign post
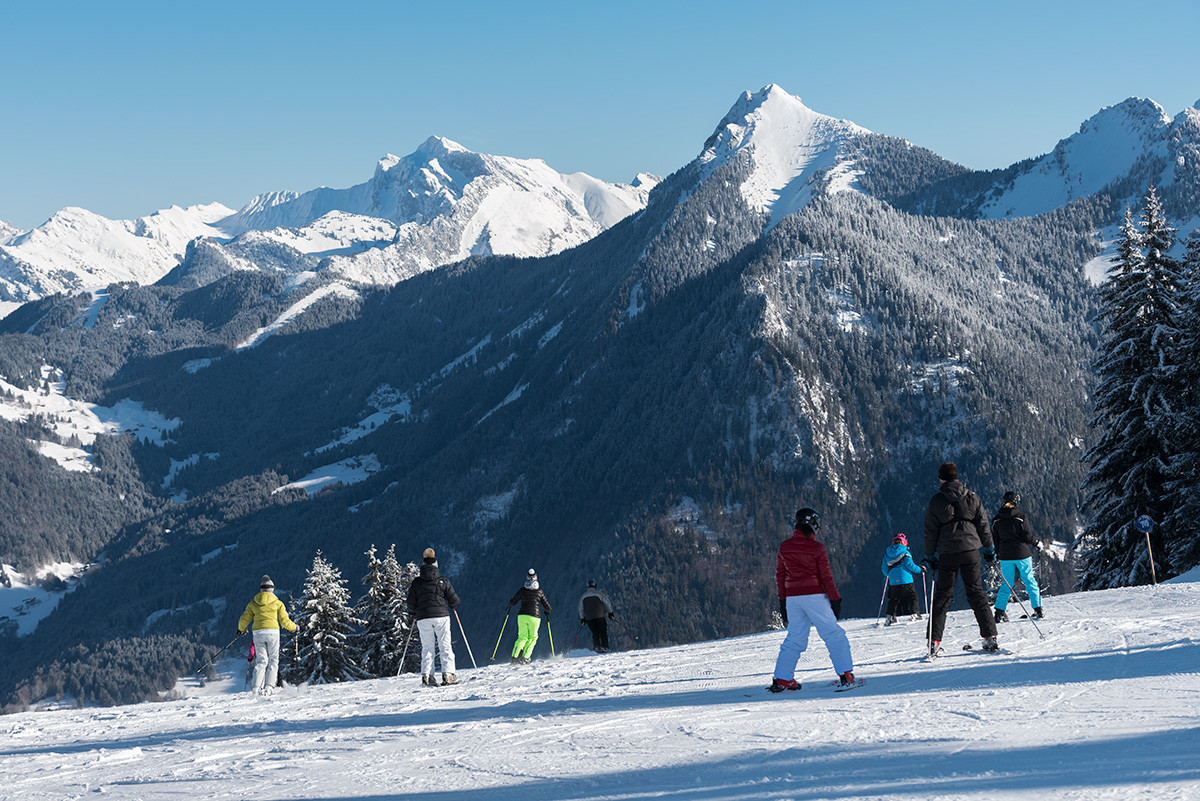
column 1145, row 524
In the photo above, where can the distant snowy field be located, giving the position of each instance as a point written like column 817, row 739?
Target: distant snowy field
column 1106, row 707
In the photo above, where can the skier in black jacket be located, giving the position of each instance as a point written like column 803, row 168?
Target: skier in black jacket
column 1015, row 545
column 596, row 610
column 956, row 534
column 431, row 596
column 529, row 617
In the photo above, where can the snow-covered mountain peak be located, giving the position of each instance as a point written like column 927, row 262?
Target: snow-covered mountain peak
column 1133, row 116
column 787, row 142
column 1106, row 147
column 8, row 232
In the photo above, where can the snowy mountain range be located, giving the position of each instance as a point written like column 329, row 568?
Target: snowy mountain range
column 807, row 313
column 439, row 204
column 1099, row 708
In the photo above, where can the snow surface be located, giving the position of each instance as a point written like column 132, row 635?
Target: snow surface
column 788, row 143
column 1106, row 707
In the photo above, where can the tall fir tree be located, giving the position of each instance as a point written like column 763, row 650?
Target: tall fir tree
column 1182, row 533
column 325, row 623
column 412, row 641
column 1129, row 463
column 378, row 646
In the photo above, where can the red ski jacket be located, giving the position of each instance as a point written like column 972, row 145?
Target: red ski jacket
column 802, row 568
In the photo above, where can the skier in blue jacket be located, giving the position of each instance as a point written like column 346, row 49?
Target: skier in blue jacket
column 899, row 567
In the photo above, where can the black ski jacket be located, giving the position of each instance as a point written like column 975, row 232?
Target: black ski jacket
column 1013, row 534
column 531, row 602
column 955, row 522
column 431, row 594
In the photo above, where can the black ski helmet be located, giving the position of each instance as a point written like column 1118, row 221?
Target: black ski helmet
column 807, row 518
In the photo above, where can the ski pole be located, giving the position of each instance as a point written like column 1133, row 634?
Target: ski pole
column 412, row 624
column 498, row 639
column 1013, row 593
column 550, row 631
column 576, row 637
column 218, row 653
column 929, row 610
column 881, row 597
column 464, row 634
column 630, row 633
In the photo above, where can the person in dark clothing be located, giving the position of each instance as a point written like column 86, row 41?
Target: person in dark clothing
column 529, row 617
column 596, row 610
column 956, row 535
column 1015, row 545
column 431, row 596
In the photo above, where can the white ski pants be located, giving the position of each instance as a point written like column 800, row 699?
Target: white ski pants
column 804, row 612
column 266, row 659
column 435, row 632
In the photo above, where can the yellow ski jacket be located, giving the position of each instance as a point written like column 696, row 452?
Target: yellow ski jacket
column 266, row 612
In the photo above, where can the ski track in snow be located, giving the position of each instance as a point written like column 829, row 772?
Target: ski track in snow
column 1106, row 707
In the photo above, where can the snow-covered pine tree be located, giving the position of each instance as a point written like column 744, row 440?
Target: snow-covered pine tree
column 412, row 659
column 1182, row 532
column 377, row 647
column 325, row 622
column 1129, row 462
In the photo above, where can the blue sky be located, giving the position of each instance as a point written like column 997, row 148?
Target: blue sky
column 124, row 108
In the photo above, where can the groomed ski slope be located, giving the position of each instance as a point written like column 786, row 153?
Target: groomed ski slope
column 1106, row 707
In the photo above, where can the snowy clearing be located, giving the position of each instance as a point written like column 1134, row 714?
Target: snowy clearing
column 28, row 601
column 291, row 313
column 347, row 471
column 1104, row 708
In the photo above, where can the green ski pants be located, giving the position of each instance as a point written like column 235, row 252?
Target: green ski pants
column 527, row 634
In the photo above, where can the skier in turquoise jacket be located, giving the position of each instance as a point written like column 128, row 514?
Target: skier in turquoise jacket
column 899, row 567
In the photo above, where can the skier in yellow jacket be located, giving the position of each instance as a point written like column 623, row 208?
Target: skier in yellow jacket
column 267, row 614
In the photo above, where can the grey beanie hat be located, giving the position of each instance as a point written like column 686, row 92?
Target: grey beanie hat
column 266, row 583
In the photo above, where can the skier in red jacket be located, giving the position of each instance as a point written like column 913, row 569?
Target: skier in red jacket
column 808, row 597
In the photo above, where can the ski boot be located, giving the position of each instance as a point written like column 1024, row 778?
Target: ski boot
column 1037, row 612
column 516, row 660
column 779, row 685
column 935, row 647
column 448, row 679
column 1001, row 616
column 846, row 679
column 990, row 644
column 890, row 620
column 917, row 616
column 428, row 680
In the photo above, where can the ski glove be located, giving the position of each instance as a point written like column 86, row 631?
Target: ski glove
column 611, row 616
column 783, row 610
column 836, row 606
column 582, row 620
column 932, row 561
column 989, row 554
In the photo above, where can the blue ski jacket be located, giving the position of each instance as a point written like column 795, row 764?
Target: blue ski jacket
column 898, row 565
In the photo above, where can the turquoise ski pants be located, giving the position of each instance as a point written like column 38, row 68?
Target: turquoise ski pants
column 1010, row 569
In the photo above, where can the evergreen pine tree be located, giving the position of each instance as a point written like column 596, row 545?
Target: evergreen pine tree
column 1182, row 532
column 1129, row 463
column 325, row 622
column 408, row 626
column 377, row 647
